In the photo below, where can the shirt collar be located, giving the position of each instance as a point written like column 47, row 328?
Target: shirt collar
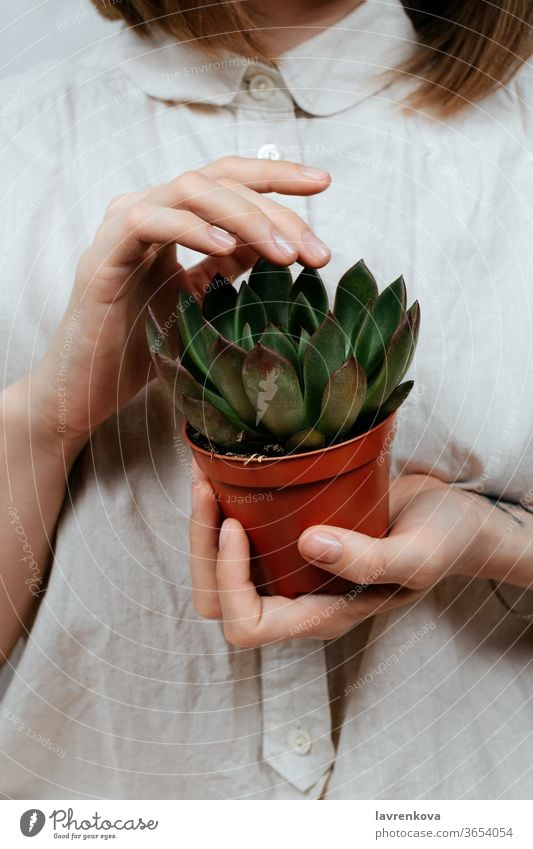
column 330, row 72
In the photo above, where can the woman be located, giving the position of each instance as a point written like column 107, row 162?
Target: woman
column 387, row 130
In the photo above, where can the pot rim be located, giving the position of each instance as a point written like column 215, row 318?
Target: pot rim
column 249, row 461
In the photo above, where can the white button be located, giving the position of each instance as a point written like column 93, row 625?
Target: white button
column 269, row 151
column 261, row 87
column 300, row 741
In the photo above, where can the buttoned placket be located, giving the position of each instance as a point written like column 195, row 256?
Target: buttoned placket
column 295, row 699
column 296, row 713
column 266, row 123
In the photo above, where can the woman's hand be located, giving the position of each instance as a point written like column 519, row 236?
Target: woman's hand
column 220, row 210
column 436, row 530
column 99, row 359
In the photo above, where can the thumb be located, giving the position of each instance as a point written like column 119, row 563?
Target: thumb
column 358, row 557
column 241, row 605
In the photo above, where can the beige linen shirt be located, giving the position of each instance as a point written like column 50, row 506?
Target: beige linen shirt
column 121, row 689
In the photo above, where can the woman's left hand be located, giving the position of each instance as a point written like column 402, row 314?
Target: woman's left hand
column 436, row 530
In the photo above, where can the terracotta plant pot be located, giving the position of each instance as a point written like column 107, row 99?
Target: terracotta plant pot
column 345, row 485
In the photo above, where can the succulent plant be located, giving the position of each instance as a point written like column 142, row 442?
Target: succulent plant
column 271, row 364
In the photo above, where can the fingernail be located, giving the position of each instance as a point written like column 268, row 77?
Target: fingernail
column 315, row 247
column 194, row 494
column 285, row 247
column 223, row 536
column 321, row 546
column 314, row 173
column 221, row 238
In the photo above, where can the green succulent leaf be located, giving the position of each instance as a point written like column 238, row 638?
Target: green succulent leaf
column 363, row 339
column 310, row 284
column 303, row 343
column 155, row 335
column 247, row 341
column 270, row 364
column 273, row 389
column 397, row 360
column 396, row 398
column 305, row 440
column 205, row 418
column 175, row 379
column 197, row 334
column 178, row 381
column 386, row 316
column 248, row 310
column 228, row 412
column 302, row 314
column 413, row 317
column 356, row 288
column 272, row 285
column 342, row 399
column 325, row 352
column 219, row 304
column 275, row 339
column 225, row 367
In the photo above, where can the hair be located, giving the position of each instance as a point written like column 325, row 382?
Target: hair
column 466, row 48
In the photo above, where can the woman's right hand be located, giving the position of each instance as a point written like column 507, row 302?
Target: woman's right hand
column 220, row 210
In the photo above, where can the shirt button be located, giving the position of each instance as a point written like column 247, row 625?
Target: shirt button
column 269, row 151
column 300, row 741
column 261, row 87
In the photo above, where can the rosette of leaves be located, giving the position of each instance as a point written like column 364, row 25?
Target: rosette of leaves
column 272, row 364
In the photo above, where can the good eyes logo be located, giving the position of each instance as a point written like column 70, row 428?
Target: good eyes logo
column 32, row 822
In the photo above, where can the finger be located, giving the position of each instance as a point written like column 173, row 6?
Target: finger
column 240, row 602
column 311, row 250
column 325, row 617
column 249, row 619
column 203, row 530
column 261, row 175
column 267, row 175
column 364, row 602
column 226, row 209
column 396, row 559
column 118, row 205
column 122, row 239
